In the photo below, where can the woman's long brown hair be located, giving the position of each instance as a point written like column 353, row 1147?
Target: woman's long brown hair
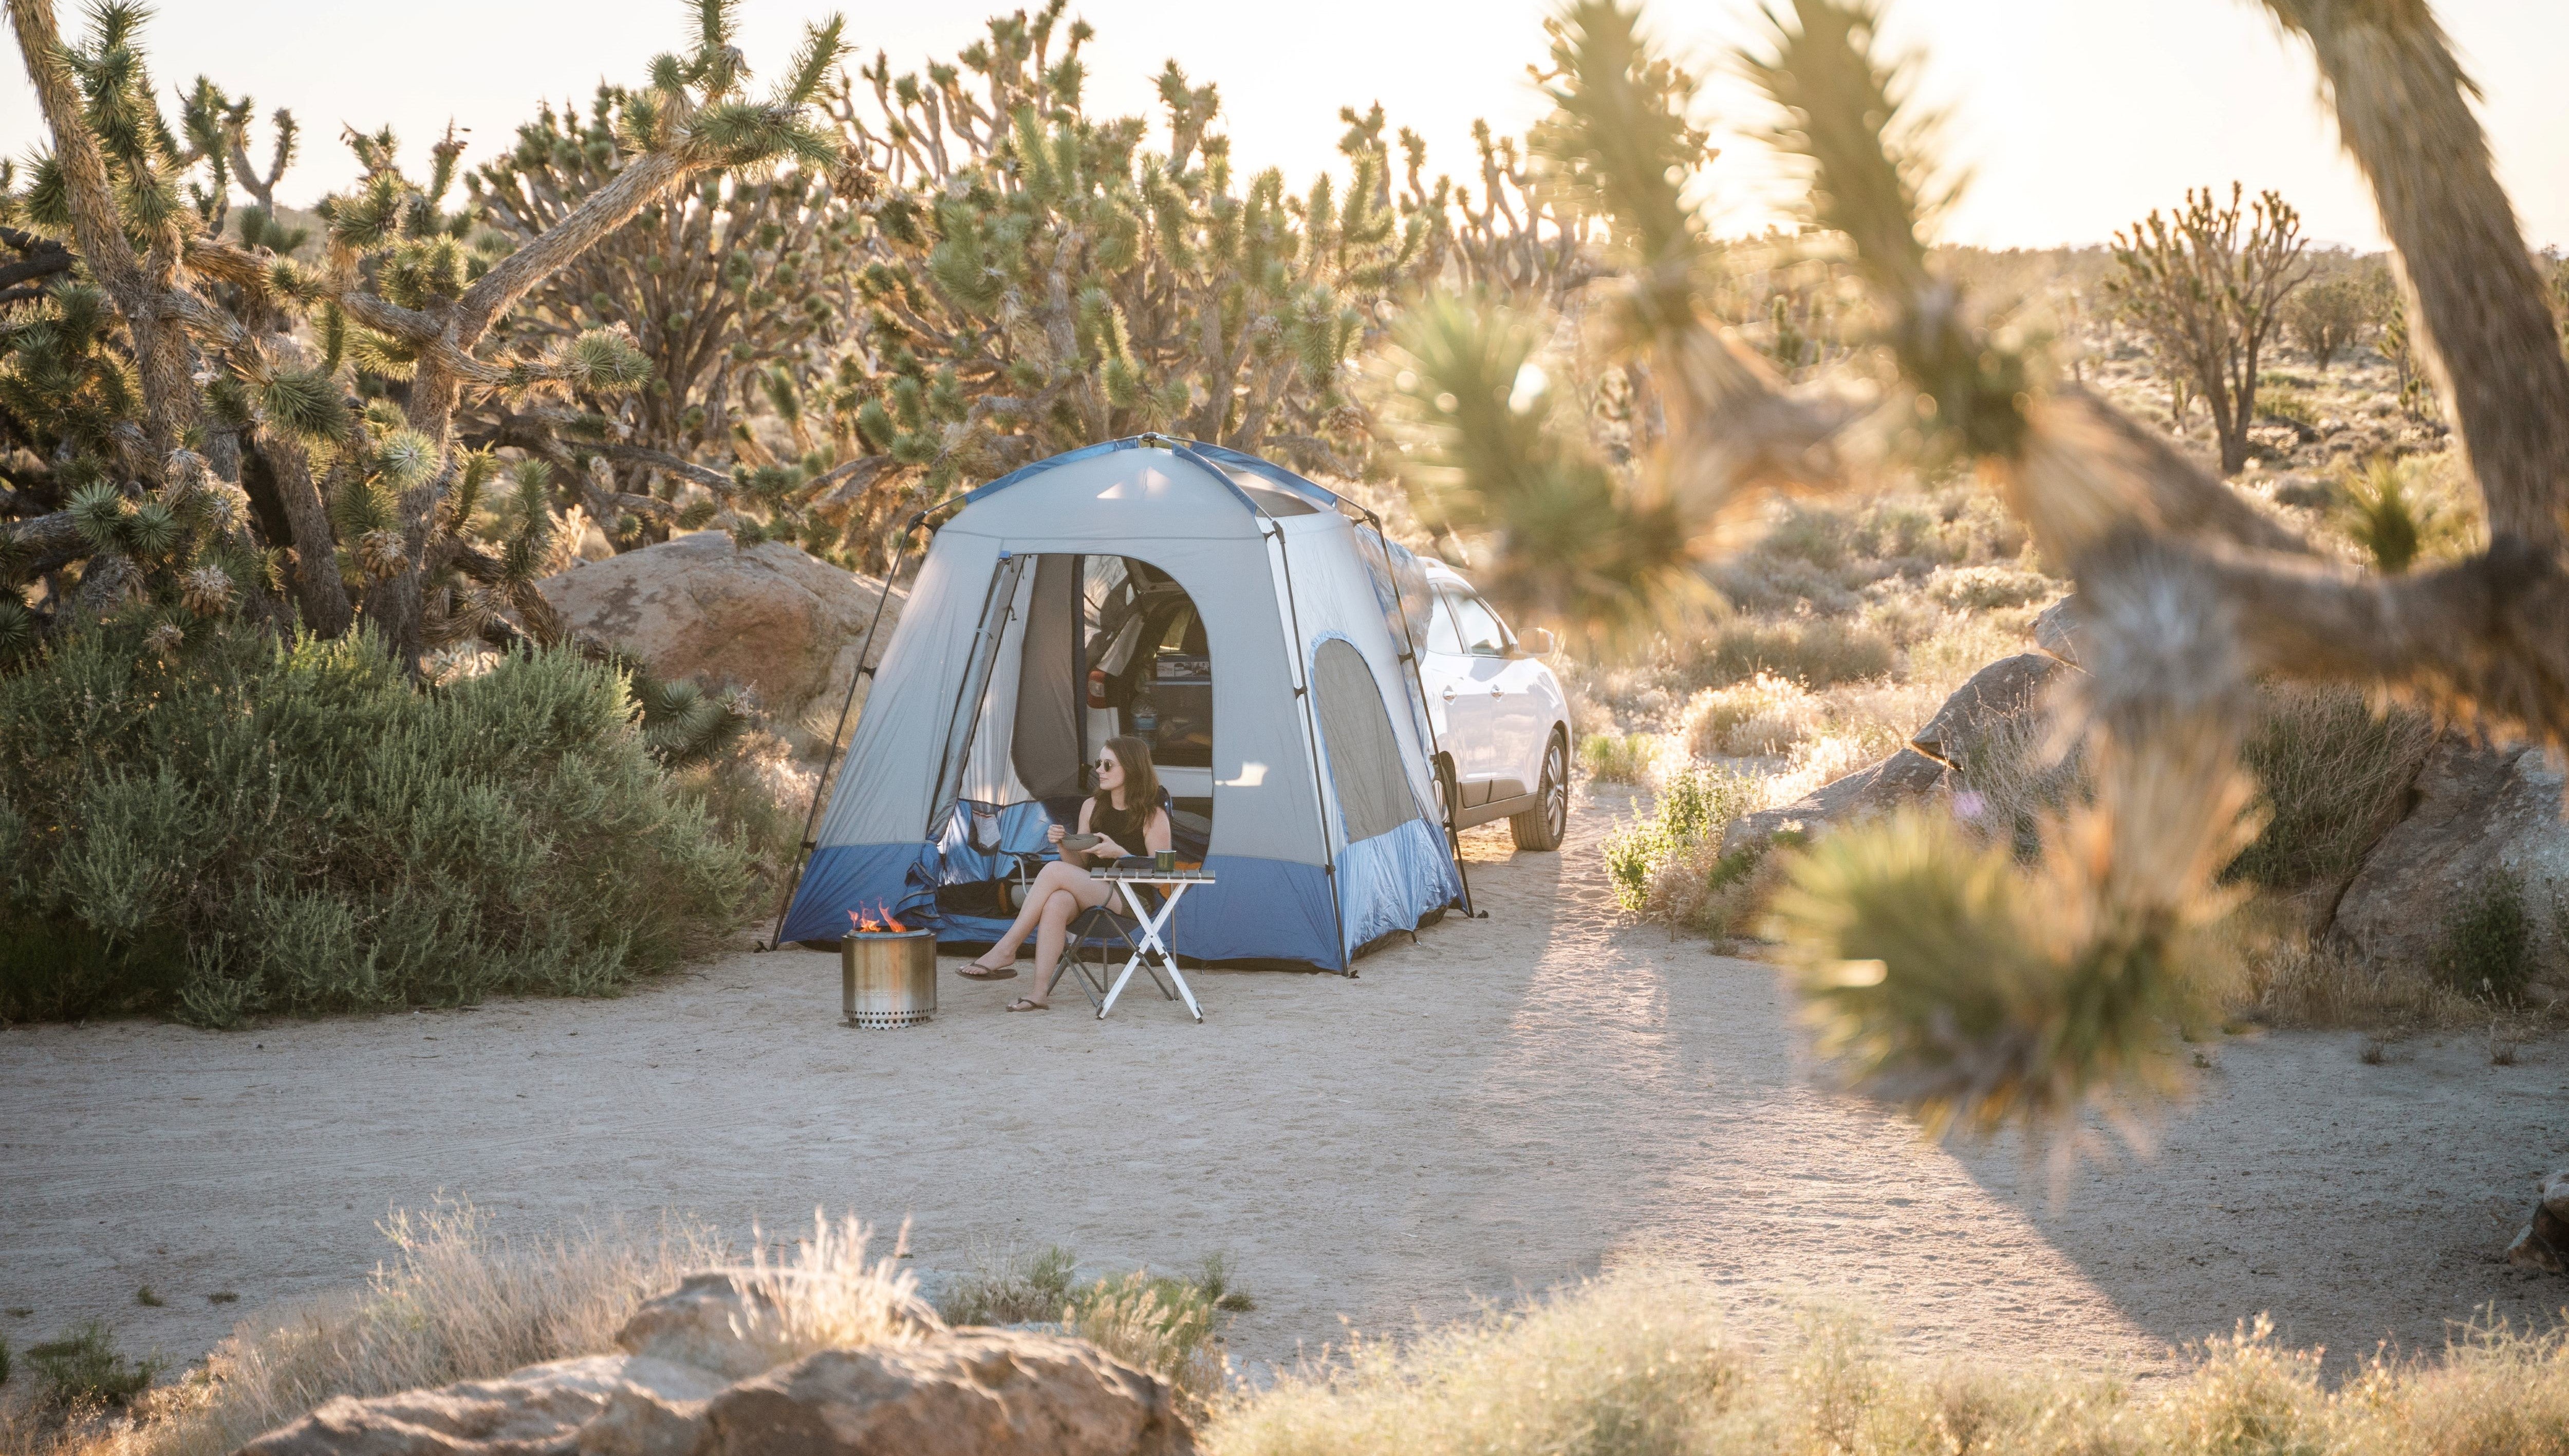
column 1141, row 780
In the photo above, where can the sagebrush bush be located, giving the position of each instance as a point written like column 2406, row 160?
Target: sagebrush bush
column 2335, row 776
column 1816, row 653
column 256, row 827
column 1763, row 716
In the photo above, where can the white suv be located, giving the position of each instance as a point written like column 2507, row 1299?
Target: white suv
column 1502, row 722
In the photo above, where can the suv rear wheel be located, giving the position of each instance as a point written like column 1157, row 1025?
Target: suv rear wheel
column 1544, row 825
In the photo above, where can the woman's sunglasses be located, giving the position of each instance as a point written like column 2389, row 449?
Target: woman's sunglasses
column 1104, row 764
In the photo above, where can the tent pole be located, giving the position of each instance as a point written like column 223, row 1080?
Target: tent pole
column 864, row 669
column 1311, row 736
column 1435, row 749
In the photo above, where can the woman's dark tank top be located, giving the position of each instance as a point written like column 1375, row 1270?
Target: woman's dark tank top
column 1122, row 825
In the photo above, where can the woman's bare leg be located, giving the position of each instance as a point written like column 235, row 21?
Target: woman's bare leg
column 1056, row 876
column 1054, row 938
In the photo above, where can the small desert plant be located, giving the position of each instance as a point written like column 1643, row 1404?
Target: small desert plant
column 2486, row 945
column 84, row 1370
column 1692, row 807
column 146, row 1297
column 1016, row 1289
column 2290, row 405
column 2384, row 514
column 1702, row 890
column 1618, row 758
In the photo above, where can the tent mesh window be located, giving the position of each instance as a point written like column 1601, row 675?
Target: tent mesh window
column 1364, row 757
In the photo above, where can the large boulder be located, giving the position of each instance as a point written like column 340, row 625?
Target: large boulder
column 2480, row 814
column 597, row 1405
column 770, row 618
column 970, row 1391
column 1903, row 778
column 2058, row 629
column 1993, row 696
column 2543, row 1243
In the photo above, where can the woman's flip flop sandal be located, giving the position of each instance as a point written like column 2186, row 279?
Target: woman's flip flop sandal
column 1022, row 1004
column 978, row 972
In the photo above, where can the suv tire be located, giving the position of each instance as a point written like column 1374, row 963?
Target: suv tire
column 1548, row 822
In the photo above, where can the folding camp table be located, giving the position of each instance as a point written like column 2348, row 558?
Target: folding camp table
column 1147, row 940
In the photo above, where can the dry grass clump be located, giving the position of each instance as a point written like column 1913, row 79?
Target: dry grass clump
column 2336, row 775
column 1631, row 1363
column 1764, row 715
column 2288, row 981
column 1816, row 653
column 1639, row 1363
column 458, row 1302
column 1160, row 1323
column 1982, row 588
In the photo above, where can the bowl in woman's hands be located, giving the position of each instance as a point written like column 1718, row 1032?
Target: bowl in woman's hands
column 1081, row 843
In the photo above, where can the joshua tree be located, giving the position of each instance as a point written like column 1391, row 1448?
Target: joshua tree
column 736, row 287
column 401, row 305
column 1038, row 280
column 1946, row 977
column 2210, row 297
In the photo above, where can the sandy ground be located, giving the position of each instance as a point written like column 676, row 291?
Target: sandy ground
column 1508, row 1103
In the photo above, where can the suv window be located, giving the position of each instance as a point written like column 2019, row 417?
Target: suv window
column 1482, row 634
column 1441, row 636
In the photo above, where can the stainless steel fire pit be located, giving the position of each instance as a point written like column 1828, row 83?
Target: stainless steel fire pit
column 888, row 977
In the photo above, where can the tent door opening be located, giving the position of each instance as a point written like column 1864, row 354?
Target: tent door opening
column 1148, row 674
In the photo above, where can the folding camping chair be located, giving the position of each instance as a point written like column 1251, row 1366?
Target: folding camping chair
column 1111, row 932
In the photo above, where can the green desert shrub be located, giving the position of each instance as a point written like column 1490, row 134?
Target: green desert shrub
column 256, row 827
column 2486, row 945
column 84, row 1370
column 1618, row 758
column 2335, row 776
column 1693, row 808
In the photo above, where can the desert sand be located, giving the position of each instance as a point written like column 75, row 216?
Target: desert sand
column 1508, row 1103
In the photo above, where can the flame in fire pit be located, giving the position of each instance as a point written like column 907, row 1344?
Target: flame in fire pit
column 883, row 922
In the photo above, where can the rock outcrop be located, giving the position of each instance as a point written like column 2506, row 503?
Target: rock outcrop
column 634, row 1405
column 970, row 1391
column 706, row 1373
column 1901, row 779
column 2057, row 630
column 2543, row 1243
column 1993, row 696
column 1997, row 694
column 2479, row 814
column 770, row 618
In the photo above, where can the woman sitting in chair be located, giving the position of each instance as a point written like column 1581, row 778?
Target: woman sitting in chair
column 1126, row 816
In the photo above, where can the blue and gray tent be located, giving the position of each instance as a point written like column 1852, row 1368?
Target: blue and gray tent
column 1251, row 624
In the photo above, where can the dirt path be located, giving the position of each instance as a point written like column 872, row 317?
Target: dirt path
column 1508, row 1103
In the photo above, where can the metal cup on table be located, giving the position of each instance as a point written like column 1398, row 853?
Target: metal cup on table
column 1165, row 861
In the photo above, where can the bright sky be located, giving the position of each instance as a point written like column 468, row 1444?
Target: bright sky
column 2075, row 115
